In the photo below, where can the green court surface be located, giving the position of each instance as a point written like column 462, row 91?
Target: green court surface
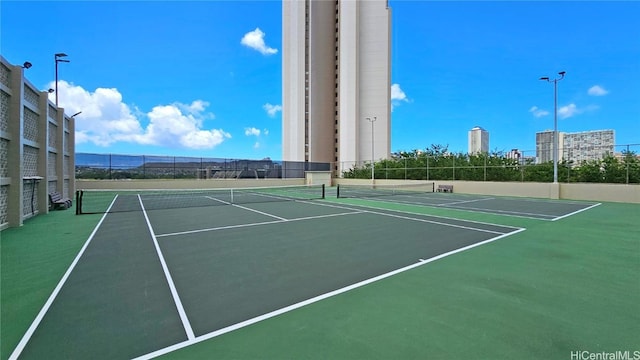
column 431, row 276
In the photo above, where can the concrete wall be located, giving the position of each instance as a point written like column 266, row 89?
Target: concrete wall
column 601, row 192
column 534, row 190
column 591, row 192
column 318, row 178
column 37, row 148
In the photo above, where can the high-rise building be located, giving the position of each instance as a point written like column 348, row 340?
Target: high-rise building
column 478, row 140
column 544, row 146
column 336, row 81
column 575, row 147
column 588, row 145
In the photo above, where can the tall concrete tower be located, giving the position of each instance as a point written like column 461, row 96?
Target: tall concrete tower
column 478, row 140
column 336, row 81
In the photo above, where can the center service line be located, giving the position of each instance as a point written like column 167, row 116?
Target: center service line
column 172, row 286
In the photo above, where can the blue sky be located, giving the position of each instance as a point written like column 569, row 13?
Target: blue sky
column 204, row 78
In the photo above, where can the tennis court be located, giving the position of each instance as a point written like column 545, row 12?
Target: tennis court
column 540, row 209
column 161, row 273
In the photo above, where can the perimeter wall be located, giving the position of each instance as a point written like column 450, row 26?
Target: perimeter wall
column 583, row 191
column 590, row 192
column 37, row 155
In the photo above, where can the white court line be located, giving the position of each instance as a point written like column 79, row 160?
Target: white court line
column 257, row 224
column 246, row 208
column 261, row 212
column 271, row 314
column 464, row 202
column 172, row 286
column 575, row 212
column 504, row 212
column 535, row 216
column 34, row 325
column 422, row 220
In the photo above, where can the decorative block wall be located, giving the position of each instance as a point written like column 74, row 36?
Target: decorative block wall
column 36, row 148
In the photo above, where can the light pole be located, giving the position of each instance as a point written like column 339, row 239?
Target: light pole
column 56, row 57
column 555, row 122
column 372, row 120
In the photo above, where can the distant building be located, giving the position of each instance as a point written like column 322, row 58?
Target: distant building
column 544, row 146
column 515, row 154
column 478, row 140
column 588, row 145
column 575, row 147
column 336, row 81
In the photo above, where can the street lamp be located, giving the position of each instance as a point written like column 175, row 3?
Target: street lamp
column 372, row 120
column 57, row 56
column 555, row 121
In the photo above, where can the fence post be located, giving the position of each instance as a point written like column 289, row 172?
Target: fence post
column 427, row 166
column 405, row 168
column 626, row 160
column 453, row 163
column 485, row 167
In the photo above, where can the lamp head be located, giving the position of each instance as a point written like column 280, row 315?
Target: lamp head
column 60, row 55
column 50, row 90
column 545, row 78
column 26, row 65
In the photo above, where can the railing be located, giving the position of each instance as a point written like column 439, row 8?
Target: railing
column 114, row 166
column 589, row 164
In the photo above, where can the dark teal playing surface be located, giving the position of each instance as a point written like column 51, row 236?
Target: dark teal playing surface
column 151, row 280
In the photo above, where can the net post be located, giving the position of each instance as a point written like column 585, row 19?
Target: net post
column 232, row 196
column 78, row 202
column 322, row 191
column 338, row 191
column 433, row 186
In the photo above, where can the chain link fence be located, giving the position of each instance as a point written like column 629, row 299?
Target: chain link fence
column 114, row 167
column 601, row 164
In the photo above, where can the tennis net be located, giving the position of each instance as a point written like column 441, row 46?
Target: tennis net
column 101, row 201
column 365, row 191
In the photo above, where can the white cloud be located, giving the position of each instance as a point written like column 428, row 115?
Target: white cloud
column 255, row 40
column 568, row 111
column 256, row 145
column 597, row 90
column 397, row 93
column 271, row 109
column 537, row 112
column 171, row 125
column 251, row 131
column 106, row 119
